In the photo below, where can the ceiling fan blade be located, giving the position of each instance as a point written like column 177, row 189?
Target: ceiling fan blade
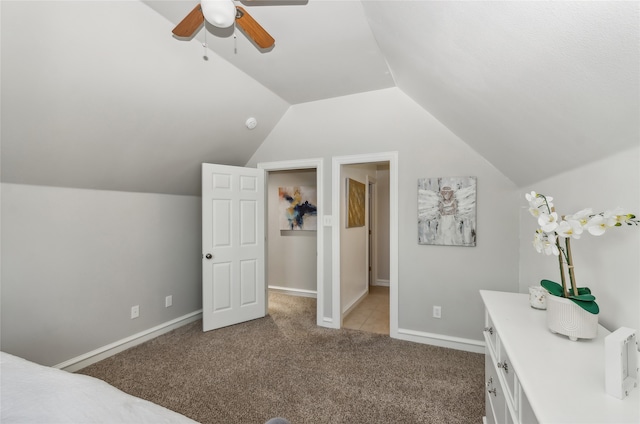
column 190, row 24
column 253, row 29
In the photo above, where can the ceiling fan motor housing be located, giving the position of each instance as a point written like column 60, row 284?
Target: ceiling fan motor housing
column 219, row 13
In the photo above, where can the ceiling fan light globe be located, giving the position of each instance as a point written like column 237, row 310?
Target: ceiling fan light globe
column 219, row 13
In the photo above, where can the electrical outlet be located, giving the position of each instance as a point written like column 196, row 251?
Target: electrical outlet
column 168, row 301
column 437, row 312
column 135, row 311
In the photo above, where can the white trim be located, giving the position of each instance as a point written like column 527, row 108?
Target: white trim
column 372, row 245
column 379, row 282
column 458, row 343
column 318, row 164
column 82, row 361
column 337, row 162
column 294, row 292
column 355, row 303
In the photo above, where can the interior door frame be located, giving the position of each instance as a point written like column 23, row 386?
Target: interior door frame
column 372, row 236
column 336, row 202
column 292, row 165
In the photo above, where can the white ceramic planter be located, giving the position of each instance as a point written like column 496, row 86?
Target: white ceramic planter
column 567, row 318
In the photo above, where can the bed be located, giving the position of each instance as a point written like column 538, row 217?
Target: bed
column 32, row 393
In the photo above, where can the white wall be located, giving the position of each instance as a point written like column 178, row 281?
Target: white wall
column 382, row 225
column 608, row 264
column 291, row 255
column 387, row 120
column 75, row 261
column 354, row 277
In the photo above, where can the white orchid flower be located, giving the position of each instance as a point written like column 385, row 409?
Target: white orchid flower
column 597, row 225
column 582, row 216
column 569, row 228
column 616, row 217
column 545, row 243
column 551, row 249
column 548, row 222
column 538, row 240
column 537, row 202
column 534, row 203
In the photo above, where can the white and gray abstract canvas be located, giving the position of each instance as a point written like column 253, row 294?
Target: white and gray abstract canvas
column 447, row 211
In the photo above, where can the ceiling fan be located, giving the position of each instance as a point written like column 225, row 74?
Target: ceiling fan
column 222, row 14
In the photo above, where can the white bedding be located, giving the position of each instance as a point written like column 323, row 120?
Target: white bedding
column 32, row 393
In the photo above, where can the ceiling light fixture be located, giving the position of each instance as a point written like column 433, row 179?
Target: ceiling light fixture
column 219, row 13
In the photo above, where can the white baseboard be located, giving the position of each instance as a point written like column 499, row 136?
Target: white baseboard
column 327, row 322
column 294, row 292
column 379, row 282
column 355, row 303
column 82, row 361
column 458, row 343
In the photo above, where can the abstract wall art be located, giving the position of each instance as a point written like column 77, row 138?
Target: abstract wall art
column 298, row 208
column 447, row 211
column 355, row 203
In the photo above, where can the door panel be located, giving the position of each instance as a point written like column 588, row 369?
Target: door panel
column 248, row 282
column 233, row 286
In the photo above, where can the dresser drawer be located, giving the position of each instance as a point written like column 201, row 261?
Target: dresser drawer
column 508, row 374
column 526, row 412
column 490, row 334
column 495, row 406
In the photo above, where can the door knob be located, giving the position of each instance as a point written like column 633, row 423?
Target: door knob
column 208, row 256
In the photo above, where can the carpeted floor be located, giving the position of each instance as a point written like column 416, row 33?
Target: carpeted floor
column 284, row 365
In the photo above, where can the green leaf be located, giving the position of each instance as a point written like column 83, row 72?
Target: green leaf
column 552, row 287
column 589, row 306
column 583, row 297
column 584, row 290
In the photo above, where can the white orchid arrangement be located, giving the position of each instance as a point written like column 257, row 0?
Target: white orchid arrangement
column 554, row 231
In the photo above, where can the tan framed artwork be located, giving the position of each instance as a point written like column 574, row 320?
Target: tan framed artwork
column 355, row 203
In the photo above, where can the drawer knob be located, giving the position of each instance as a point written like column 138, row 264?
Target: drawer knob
column 504, row 366
column 489, row 330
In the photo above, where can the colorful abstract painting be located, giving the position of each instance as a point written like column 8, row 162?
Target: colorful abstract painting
column 298, row 209
column 355, row 203
column 447, row 211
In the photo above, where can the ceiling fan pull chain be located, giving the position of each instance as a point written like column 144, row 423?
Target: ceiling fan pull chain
column 204, row 47
column 235, row 41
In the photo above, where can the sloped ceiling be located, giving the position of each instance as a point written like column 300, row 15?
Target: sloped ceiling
column 98, row 94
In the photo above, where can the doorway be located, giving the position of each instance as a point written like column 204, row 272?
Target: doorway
column 369, row 310
column 303, row 169
column 347, row 285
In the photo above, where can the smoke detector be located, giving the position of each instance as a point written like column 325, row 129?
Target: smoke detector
column 251, row 123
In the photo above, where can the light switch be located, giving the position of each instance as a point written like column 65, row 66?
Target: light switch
column 328, row 221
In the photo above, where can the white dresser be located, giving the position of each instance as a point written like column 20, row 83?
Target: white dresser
column 535, row 376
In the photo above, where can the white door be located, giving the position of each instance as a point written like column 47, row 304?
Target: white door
column 233, row 283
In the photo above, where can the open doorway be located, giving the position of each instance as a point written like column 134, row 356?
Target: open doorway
column 291, row 231
column 369, row 309
column 294, row 261
column 350, row 277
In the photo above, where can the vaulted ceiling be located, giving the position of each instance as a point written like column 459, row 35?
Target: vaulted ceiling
column 98, row 94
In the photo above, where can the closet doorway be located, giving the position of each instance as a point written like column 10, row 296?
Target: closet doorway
column 294, row 261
